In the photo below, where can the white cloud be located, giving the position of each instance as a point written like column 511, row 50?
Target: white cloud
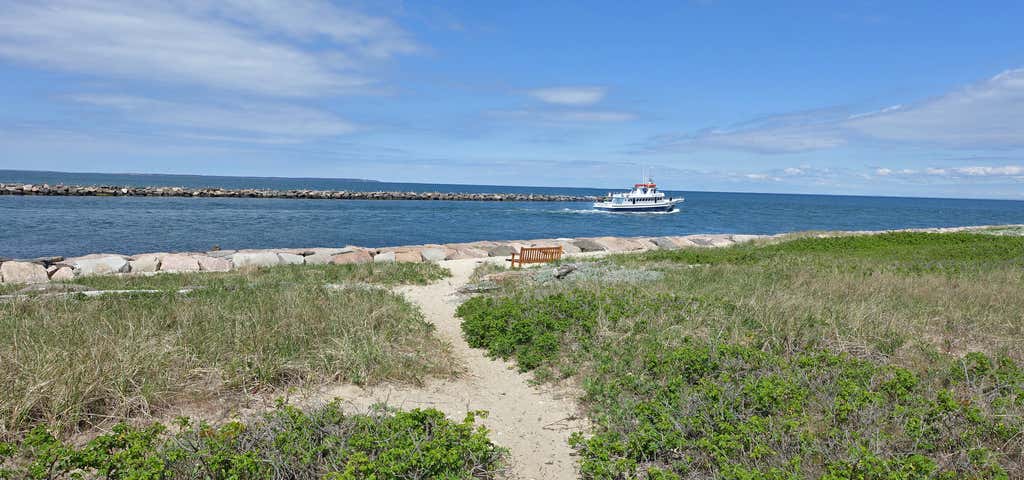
column 563, row 117
column 571, row 96
column 988, row 114
column 781, row 139
column 793, row 171
column 260, row 119
column 1008, row 170
column 883, row 172
column 254, row 47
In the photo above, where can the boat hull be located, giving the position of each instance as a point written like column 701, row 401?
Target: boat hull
column 634, row 208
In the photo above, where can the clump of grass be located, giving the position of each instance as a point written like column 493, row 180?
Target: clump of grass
column 71, row 362
column 779, row 361
column 284, row 443
column 486, row 268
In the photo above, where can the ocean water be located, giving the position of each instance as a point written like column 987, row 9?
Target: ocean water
column 36, row 226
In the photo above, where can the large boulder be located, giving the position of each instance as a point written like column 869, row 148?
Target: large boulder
column 255, row 259
column 745, row 238
column 501, row 251
column 384, row 257
column 664, row 243
column 567, row 245
column 620, row 244
column 355, row 256
column 434, row 254
column 179, row 262
column 323, row 256
column 588, row 245
column 683, row 242
column 461, row 252
column 213, row 264
column 291, row 258
column 710, row 240
column 409, row 256
column 62, row 274
column 23, row 272
column 146, row 263
column 99, row 264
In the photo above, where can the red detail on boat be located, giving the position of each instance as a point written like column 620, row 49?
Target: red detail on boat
column 648, row 185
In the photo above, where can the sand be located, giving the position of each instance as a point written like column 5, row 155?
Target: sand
column 533, row 422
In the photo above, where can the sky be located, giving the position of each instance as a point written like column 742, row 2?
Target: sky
column 912, row 98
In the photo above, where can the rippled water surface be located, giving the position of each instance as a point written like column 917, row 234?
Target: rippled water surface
column 34, row 226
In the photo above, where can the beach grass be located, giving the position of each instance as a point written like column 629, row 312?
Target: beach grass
column 71, row 362
column 878, row 356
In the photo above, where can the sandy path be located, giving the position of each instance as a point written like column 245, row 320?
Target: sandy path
column 534, row 423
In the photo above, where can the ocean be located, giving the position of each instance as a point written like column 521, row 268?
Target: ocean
column 69, row 226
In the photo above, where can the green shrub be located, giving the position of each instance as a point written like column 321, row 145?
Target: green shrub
column 817, row 358
column 286, row 443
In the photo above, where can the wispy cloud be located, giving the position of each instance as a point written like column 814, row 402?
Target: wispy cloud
column 988, row 114
column 978, row 171
column 555, row 117
column 578, row 96
column 786, row 133
column 284, row 122
column 270, row 47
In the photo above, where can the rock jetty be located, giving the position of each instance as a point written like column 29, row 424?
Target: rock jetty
column 130, row 191
column 46, row 269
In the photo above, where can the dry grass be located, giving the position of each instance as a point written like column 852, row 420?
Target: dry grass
column 72, row 362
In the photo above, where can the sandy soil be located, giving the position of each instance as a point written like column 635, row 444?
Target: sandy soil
column 533, row 422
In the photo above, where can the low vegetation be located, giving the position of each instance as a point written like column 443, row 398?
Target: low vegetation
column 872, row 357
column 285, row 443
column 71, row 362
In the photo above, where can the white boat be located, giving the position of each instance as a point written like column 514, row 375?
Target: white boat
column 644, row 197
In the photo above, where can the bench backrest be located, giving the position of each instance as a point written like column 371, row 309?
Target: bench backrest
column 539, row 254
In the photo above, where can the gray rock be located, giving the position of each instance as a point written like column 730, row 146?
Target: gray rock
column 431, row 254
column 221, row 253
column 564, row 270
column 355, row 256
column 664, row 243
column 588, row 245
column 213, row 264
column 146, row 263
column 43, row 260
column 745, row 238
column 99, row 265
column 23, row 272
column 291, row 259
column 500, row 251
column 710, row 240
column 319, row 259
column 177, row 262
column 384, row 257
column 255, row 259
column 62, row 274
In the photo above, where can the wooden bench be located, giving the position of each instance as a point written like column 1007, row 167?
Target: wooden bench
column 535, row 255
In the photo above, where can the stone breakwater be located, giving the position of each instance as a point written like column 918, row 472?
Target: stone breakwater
column 128, row 191
column 45, row 269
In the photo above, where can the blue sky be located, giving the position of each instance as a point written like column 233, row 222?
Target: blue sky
column 887, row 98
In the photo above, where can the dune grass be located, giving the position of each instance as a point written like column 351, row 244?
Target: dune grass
column 883, row 356
column 72, row 362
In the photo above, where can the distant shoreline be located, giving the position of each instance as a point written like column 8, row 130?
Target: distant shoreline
column 308, row 194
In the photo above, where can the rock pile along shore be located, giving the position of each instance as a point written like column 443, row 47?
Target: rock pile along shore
column 128, row 191
column 45, row 269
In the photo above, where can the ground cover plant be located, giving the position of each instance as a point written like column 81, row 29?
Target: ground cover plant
column 70, row 362
column 285, row 443
column 871, row 357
